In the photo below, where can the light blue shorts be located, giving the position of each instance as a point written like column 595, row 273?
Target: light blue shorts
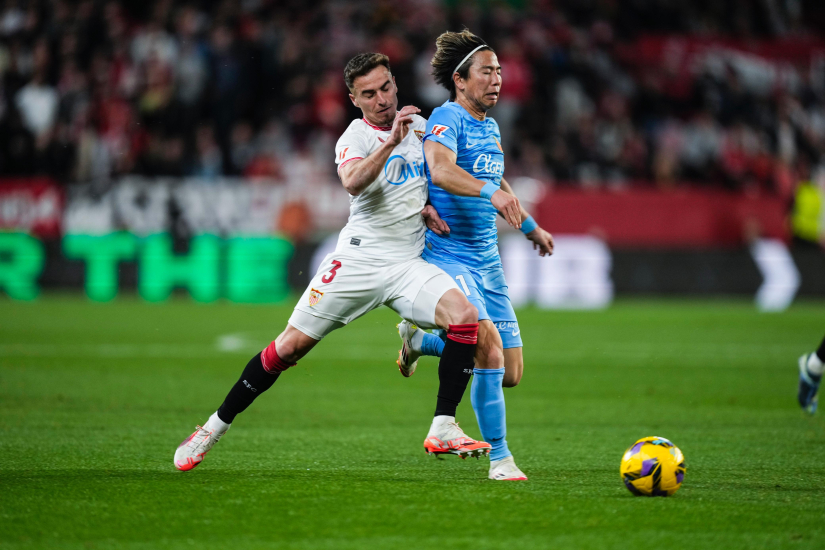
column 487, row 290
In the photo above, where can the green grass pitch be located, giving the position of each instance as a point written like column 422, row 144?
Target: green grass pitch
column 94, row 398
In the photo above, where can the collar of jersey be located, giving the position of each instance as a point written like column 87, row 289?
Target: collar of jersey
column 374, row 127
column 458, row 107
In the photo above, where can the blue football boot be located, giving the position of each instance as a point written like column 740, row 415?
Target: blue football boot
column 808, row 386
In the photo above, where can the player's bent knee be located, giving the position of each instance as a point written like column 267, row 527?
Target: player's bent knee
column 489, row 356
column 277, row 358
column 514, row 367
column 467, row 314
column 285, row 351
column 454, row 309
column 511, row 380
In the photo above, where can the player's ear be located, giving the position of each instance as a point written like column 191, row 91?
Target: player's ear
column 458, row 82
column 354, row 102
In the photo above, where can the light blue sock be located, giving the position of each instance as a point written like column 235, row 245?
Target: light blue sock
column 432, row 345
column 487, row 396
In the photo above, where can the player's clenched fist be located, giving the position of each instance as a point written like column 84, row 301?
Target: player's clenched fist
column 509, row 207
column 401, row 124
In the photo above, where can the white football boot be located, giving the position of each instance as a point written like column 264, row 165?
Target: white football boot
column 445, row 437
column 190, row 453
column 408, row 355
column 506, row 470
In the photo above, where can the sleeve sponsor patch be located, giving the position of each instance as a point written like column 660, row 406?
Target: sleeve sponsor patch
column 438, row 129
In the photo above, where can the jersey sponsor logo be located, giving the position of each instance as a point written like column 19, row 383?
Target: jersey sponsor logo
column 485, row 163
column 419, row 134
column 438, row 129
column 509, row 326
column 343, row 153
column 314, row 296
column 397, row 170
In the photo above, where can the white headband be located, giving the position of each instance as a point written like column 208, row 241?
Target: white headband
column 468, row 57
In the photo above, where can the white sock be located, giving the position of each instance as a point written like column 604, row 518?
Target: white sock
column 416, row 340
column 815, row 366
column 440, row 421
column 215, row 424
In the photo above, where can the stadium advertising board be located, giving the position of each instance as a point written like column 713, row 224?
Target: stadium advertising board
column 254, row 242
column 31, row 205
column 241, row 269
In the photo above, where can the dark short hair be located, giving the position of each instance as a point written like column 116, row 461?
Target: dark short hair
column 451, row 47
column 362, row 64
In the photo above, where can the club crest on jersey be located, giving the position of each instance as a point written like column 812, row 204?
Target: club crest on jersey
column 419, row 134
column 439, row 129
column 315, row 296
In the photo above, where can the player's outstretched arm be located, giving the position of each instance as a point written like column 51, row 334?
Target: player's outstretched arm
column 542, row 240
column 446, row 174
column 359, row 174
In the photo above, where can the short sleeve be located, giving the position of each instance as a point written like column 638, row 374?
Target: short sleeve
column 351, row 146
column 442, row 127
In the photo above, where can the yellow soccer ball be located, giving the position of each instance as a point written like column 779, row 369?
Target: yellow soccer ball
column 653, row 467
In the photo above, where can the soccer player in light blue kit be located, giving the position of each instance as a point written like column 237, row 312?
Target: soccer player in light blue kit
column 464, row 167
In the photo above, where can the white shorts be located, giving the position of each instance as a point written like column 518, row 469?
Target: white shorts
column 346, row 288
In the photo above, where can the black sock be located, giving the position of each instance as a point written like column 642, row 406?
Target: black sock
column 821, row 351
column 253, row 382
column 454, row 372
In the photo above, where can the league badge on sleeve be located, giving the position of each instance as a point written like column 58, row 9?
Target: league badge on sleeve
column 438, row 129
column 315, row 296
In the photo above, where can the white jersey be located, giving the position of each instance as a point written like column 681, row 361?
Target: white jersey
column 385, row 219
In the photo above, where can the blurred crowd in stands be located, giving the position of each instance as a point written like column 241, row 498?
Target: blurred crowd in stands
column 596, row 92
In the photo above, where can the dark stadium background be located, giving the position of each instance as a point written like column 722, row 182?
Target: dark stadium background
column 677, row 133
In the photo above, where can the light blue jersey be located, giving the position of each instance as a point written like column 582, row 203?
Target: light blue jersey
column 473, row 239
column 469, row 253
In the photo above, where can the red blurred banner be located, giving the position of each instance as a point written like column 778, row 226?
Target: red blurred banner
column 32, row 205
column 684, row 218
column 677, row 50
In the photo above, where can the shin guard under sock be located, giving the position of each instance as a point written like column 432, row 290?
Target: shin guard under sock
column 255, row 379
column 455, row 367
column 487, row 397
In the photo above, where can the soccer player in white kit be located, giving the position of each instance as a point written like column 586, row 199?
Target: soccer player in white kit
column 377, row 261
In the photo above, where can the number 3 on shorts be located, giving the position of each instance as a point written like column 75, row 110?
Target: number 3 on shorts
column 460, row 279
column 332, row 272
